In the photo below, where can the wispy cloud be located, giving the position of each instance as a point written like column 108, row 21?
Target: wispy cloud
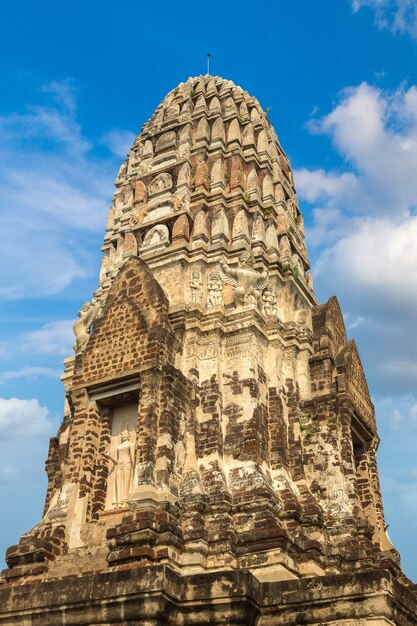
column 397, row 16
column 118, row 142
column 30, row 372
column 364, row 232
column 54, row 194
column 52, row 338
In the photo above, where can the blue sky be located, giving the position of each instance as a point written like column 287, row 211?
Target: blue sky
column 77, row 82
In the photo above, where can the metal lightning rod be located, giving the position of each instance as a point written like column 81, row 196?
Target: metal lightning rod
column 208, row 63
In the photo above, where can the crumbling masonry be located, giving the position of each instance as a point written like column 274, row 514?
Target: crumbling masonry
column 216, row 463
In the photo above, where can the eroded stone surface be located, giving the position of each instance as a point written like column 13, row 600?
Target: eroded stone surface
column 218, row 445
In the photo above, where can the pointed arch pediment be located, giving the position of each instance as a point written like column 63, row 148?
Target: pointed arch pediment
column 133, row 332
column 328, row 321
column 352, row 380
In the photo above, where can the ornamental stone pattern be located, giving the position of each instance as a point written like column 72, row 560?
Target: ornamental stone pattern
column 216, row 463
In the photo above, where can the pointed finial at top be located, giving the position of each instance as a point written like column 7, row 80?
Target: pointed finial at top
column 208, row 63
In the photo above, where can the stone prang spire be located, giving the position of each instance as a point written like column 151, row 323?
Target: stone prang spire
column 216, row 463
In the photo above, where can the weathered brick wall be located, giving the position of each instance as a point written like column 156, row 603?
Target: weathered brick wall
column 337, row 370
column 278, row 431
column 133, row 332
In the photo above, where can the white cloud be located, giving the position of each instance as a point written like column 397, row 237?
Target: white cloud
column 118, row 141
column 53, row 338
column 22, row 418
column 54, row 194
column 352, row 322
column 378, row 260
column 370, row 262
column 376, row 134
column 30, row 372
column 318, row 184
column 397, row 16
column 64, row 93
column 329, row 224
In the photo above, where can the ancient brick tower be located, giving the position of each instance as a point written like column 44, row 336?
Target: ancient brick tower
column 216, row 460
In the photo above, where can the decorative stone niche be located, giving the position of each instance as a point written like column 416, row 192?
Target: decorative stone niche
column 121, row 455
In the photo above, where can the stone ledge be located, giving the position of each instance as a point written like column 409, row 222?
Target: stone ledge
column 157, row 594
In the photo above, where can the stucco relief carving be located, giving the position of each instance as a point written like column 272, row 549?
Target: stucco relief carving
column 177, row 202
column 248, row 283
column 156, row 235
column 258, row 229
column 142, row 167
column 269, row 302
column 123, row 463
column 124, row 198
column 161, row 183
column 59, row 505
column 184, row 151
column 214, row 290
column 196, row 287
column 87, row 314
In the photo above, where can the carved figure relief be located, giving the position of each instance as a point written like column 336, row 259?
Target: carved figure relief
column 81, row 327
column 184, row 151
column 143, row 167
column 220, row 224
column 214, row 290
column 184, row 175
column 258, row 229
column 59, row 507
column 135, row 217
column 177, row 202
column 243, row 110
column 121, row 456
column 196, row 287
column 240, row 226
column 190, row 462
column 269, row 302
column 123, row 467
column 124, row 198
column 156, row 235
column 161, row 183
column 248, row 282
